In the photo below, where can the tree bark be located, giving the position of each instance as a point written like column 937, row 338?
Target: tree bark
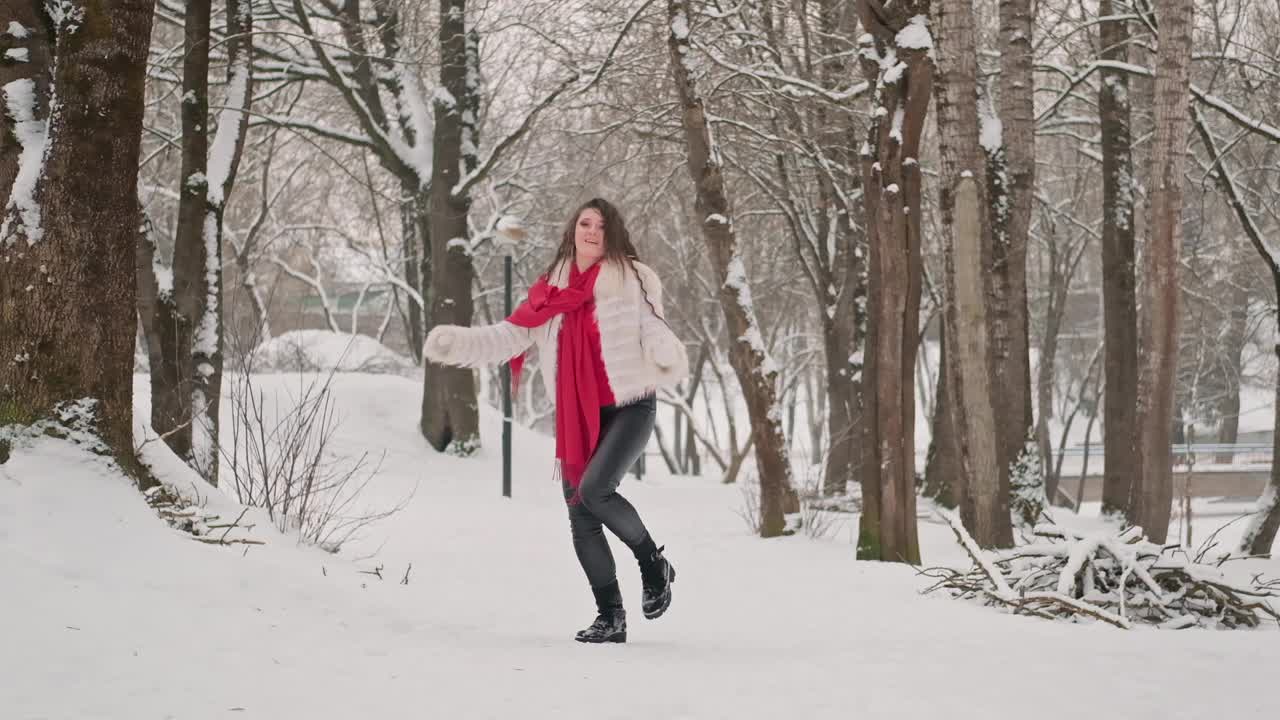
column 1046, row 371
column 172, row 382
column 1119, row 298
column 1159, row 328
column 1233, row 347
column 67, row 289
column 966, row 232
column 941, row 481
column 450, row 412
column 409, row 242
column 1011, row 227
column 755, row 369
column 892, row 198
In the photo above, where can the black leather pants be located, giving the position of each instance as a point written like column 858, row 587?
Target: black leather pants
column 624, row 432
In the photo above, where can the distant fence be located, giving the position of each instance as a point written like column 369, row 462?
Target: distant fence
column 1199, row 453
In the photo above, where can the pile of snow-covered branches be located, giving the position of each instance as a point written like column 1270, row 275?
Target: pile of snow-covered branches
column 188, row 516
column 1118, row 578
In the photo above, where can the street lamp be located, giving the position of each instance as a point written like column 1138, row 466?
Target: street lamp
column 509, row 232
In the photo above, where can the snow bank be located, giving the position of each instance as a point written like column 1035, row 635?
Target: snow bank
column 320, row 350
column 109, row 613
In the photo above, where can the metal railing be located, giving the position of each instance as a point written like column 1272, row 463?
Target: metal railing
column 1199, row 453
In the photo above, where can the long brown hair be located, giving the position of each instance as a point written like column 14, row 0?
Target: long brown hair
column 617, row 240
column 617, row 243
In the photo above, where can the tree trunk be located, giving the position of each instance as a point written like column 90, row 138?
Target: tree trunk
column 756, row 371
column 1047, row 370
column 985, row 504
column 1233, row 348
column 412, row 263
column 1260, row 534
column 843, row 417
column 172, row 383
column 67, row 292
column 1119, row 299
column 1011, row 228
column 1159, row 339
column 941, row 481
column 450, row 414
column 892, row 197
column 690, row 462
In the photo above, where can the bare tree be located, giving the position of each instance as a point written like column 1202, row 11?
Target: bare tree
column 1260, row 533
column 755, row 370
column 69, row 185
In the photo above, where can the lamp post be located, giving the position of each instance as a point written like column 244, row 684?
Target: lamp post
column 509, row 232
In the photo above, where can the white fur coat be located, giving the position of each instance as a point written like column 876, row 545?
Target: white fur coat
column 640, row 352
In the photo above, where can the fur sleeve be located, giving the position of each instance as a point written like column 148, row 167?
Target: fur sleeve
column 661, row 345
column 476, row 346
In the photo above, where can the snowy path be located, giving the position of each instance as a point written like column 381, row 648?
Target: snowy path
column 165, row 627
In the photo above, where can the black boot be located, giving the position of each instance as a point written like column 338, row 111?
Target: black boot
column 657, row 574
column 611, row 623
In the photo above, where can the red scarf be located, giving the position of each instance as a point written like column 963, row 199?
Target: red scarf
column 577, row 390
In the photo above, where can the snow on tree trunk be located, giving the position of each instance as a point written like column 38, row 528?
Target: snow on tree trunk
column 1119, row 299
column 186, row 382
column 896, row 60
column 172, row 388
column 67, row 289
column 1159, row 325
column 450, row 413
column 156, row 313
column 24, row 94
column 967, row 248
column 224, row 160
column 751, row 362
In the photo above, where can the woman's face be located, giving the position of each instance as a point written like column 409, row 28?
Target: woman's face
column 588, row 237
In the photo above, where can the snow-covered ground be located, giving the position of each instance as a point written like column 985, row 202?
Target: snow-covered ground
column 108, row 613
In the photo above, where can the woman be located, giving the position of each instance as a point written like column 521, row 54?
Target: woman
column 597, row 321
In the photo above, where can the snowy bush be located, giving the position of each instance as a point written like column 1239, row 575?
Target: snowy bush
column 1118, row 578
column 823, row 515
column 280, row 458
column 1026, row 481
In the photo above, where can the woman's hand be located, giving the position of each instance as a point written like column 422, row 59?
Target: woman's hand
column 440, row 340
